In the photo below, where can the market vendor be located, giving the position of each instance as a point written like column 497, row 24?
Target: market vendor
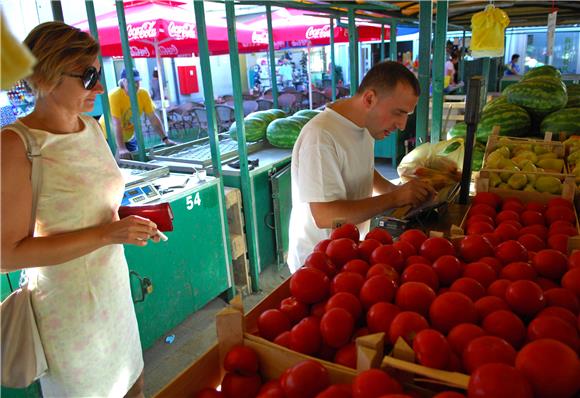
column 333, row 171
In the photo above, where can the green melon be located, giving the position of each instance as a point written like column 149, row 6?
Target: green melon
column 513, row 121
column 264, row 115
column 538, row 95
column 309, row 113
column 573, row 96
column 501, row 100
column 283, row 133
column 545, row 70
column 278, row 112
column 563, row 121
column 299, row 119
column 254, row 129
column 459, row 130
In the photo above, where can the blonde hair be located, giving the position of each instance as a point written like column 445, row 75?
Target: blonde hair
column 58, row 48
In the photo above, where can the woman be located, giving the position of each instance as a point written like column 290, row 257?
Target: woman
column 75, row 261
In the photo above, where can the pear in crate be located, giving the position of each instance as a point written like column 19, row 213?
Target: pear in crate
column 517, row 181
column 574, row 157
column 503, row 141
column 521, row 148
column 503, row 185
column 529, row 188
column 549, row 155
column 553, row 165
column 507, row 164
column 494, row 158
column 540, row 149
column 494, row 180
column 548, row 184
column 529, row 166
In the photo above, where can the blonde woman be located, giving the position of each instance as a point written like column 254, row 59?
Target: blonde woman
column 75, row 262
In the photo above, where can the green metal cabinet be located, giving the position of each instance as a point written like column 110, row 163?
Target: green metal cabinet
column 281, row 182
column 392, row 147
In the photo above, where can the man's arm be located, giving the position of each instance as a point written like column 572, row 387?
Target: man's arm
column 381, row 185
column 122, row 151
column 158, row 126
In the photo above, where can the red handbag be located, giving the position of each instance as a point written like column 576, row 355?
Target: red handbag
column 160, row 214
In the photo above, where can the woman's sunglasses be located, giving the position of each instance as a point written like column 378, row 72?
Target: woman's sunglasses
column 90, row 77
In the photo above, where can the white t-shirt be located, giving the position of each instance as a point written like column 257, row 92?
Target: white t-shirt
column 333, row 159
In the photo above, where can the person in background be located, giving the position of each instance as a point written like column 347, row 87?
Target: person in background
column 286, row 73
column 154, row 91
column 121, row 116
column 74, row 261
column 513, row 69
column 333, row 171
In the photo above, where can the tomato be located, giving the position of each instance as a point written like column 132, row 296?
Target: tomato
column 493, row 238
column 539, row 230
column 235, row 385
column 525, row 298
column 421, row 273
column 574, row 259
column 449, row 394
column 341, row 250
column 321, row 262
column 318, row 309
column 480, row 228
column 505, row 215
column 380, row 234
column 498, row 380
column 322, row 246
column 532, row 242
column 380, row 317
column 488, row 198
column 559, row 312
column 373, row 383
column 295, row 310
column 209, row 393
column 346, row 355
column 366, row 248
column 415, row 237
column 350, row 282
column 406, row 324
column 571, row 280
column 558, row 242
column 242, row 360
column 461, row 335
column 305, row 379
column 517, row 271
column 488, row 304
column 530, row 217
column 481, row 272
column 448, row 269
column 498, row 288
column 450, row 309
column 358, row 266
column 337, row 391
column 383, row 269
column 551, row 327
column 560, row 213
column 468, row 286
column 347, row 301
column 349, row 231
column 431, row 349
column 364, row 331
column 551, row 367
column 305, row 336
column 550, row 263
column 388, row 254
column 406, row 248
column 559, row 201
column 562, row 227
column 514, row 223
column 336, row 327
column 480, row 218
column 536, row 206
column 474, row 247
column 271, row 389
column 433, row 248
column 562, row 297
column 481, row 209
column 487, row 349
column 511, row 251
column 415, row 296
column 309, row 285
column 271, row 323
column 284, row 339
column 507, row 325
column 493, row 262
column 377, row 288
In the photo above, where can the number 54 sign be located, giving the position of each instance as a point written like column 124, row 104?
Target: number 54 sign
column 192, row 200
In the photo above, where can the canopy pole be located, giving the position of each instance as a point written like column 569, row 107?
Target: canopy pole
column 393, row 40
column 160, row 80
column 382, row 57
column 332, row 60
column 439, row 72
column 353, row 51
column 273, row 77
column 309, row 75
column 461, row 56
column 425, row 17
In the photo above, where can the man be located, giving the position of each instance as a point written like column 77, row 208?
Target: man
column 286, row 73
column 333, row 173
column 513, row 69
column 121, row 116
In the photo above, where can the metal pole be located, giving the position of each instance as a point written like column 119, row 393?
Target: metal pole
column 131, row 80
column 439, row 61
column 382, row 57
column 485, row 73
column 393, row 41
column 273, row 77
column 160, row 80
column 92, row 19
column 353, row 52
column 56, row 8
column 461, row 60
column 425, row 15
column 332, row 60
column 175, row 83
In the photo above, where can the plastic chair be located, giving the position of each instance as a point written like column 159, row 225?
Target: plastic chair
column 200, row 115
column 250, row 106
column 225, row 117
column 287, row 102
column 264, row 104
column 318, row 99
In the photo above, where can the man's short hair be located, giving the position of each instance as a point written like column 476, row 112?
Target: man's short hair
column 515, row 56
column 384, row 76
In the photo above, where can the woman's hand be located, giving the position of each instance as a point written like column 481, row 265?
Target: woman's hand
column 132, row 230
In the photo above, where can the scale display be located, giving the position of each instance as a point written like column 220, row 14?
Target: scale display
column 140, row 194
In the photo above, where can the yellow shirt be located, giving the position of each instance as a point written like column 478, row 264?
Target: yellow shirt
column 120, row 105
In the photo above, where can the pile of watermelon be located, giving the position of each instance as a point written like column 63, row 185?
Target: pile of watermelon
column 256, row 123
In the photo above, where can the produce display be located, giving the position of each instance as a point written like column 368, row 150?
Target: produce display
column 256, row 123
column 284, row 132
column 572, row 146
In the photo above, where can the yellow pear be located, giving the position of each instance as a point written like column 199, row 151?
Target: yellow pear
column 517, row 181
column 554, row 165
column 548, row 184
column 549, row 155
column 530, row 167
column 494, row 180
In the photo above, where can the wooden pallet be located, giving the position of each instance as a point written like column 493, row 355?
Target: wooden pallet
column 237, row 235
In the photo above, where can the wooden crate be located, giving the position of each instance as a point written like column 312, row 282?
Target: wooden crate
column 237, row 237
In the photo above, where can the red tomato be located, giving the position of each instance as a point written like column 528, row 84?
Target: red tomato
column 480, row 228
column 366, row 248
column 321, row 262
column 571, row 280
column 498, row 380
column 305, row 379
column 377, row 288
column 562, row 297
column 431, row 349
column 341, row 250
column 550, row 263
column 479, row 218
column 295, row 310
column 383, row 269
column 532, row 242
column 318, row 309
column 305, row 336
column 539, row 230
column 560, row 213
column 387, row 254
column 474, row 247
column 309, row 285
column 380, row 317
column 487, row 349
column 337, row 391
column 515, row 223
column 488, row 198
column 373, row 383
column 284, row 339
column 271, row 323
column 209, row 393
column 517, row 271
column 551, row 327
column 321, row 246
column 536, row 206
column 421, row 273
column 235, row 385
column 507, row 325
column 406, row 325
column 417, row 260
column 493, row 262
column 450, row 309
column 415, row 237
column 358, row 266
column 468, row 286
column 242, row 360
column 546, row 284
column 481, row 209
column 349, row 231
column 271, row 389
column 449, row 394
column 559, row 312
column 551, row 367
column 505, row 215
column 415, row 296
column 347, row 301
column 498, row 288
column 563, row 227
column 433, row 248
column 448, row 269
column 406, row 248
column 336, row 327
column 530, row 217
column 525, row 298
column 488, row 304
column 558, row 242
column 350, row 282
column 346, row 355
column 461, row 335
column 380, row 234
column 514, row 204
column 574, row 259
column 511, row 251
column 493, row 238
column 559, row 201
column 481, row 272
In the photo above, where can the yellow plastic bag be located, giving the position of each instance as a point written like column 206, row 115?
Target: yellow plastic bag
column 488, row 32
column 17, row 61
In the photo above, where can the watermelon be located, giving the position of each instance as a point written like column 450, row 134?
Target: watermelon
column 563, row 121
column 254, row 129
column 302, row 120
column 477, row 157
column 513, row 120
column 538, row 95
column 264, row 115
column 501, row 100
column 573, row 96
column 278, row 112
column 283, row 133
column 459, row 130
column 545, row 70
column 309, row 113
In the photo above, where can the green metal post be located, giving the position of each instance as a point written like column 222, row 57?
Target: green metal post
column 212, row 130
column 382, row 57
column 273, row 79
column 56, row 8
column 131, row 80
column 353, row 51
column 485, row 74
column 332, row 60
column 439, row 55
column 393, row 41
column 91, row 17
column 425, row 17
column 461, row 69
column 249, row 211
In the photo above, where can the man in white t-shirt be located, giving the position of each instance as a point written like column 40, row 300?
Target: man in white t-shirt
column 333, row 170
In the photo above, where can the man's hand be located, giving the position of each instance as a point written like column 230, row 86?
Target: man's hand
column 123, row 153
column 414, row 193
